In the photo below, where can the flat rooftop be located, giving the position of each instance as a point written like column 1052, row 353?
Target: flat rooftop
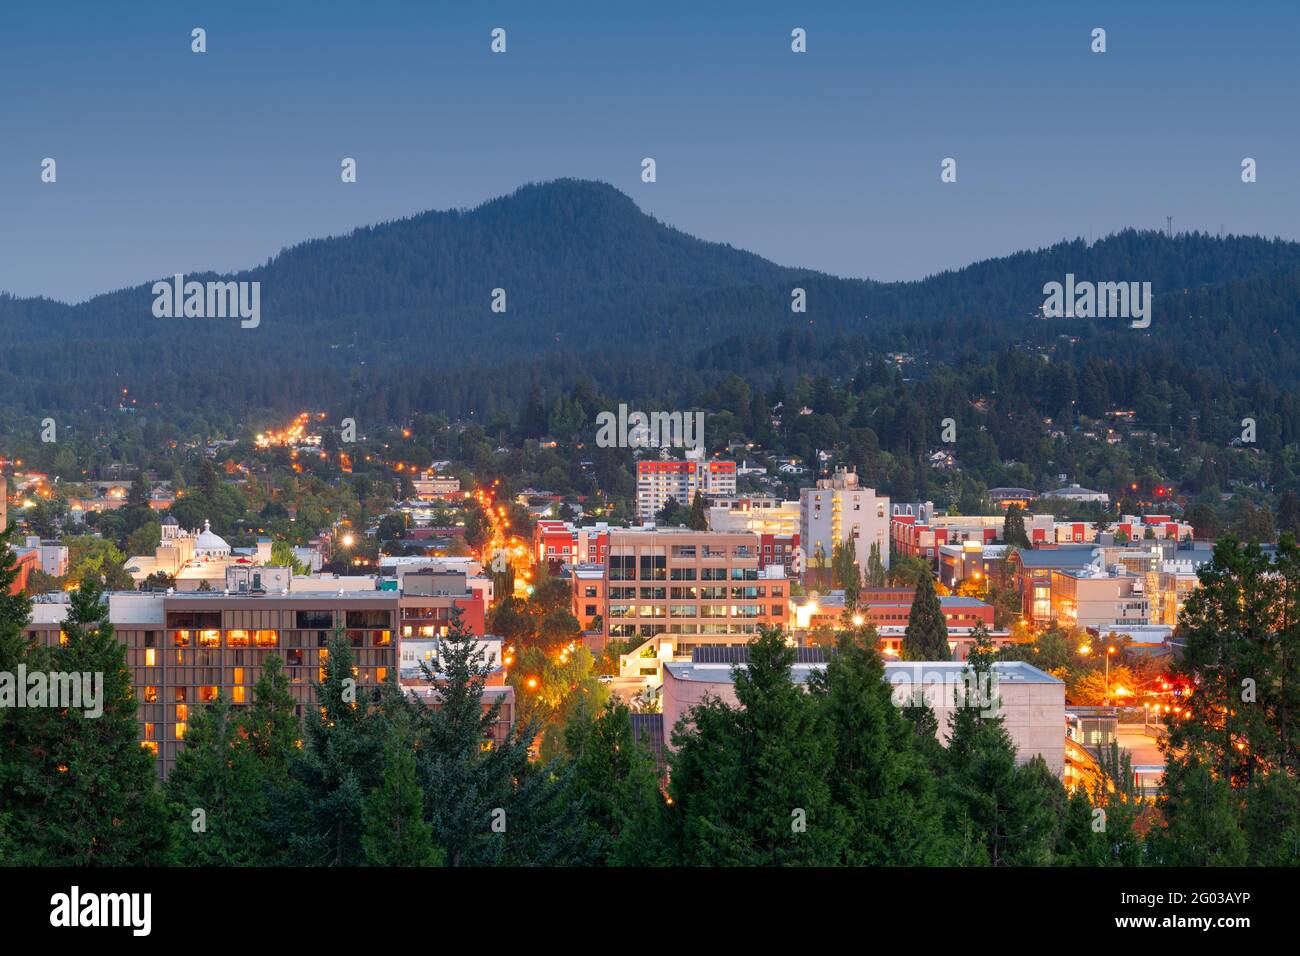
column 896, row 672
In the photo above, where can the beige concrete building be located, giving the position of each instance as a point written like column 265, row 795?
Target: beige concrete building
column 1088, row 599
column 1031, row 702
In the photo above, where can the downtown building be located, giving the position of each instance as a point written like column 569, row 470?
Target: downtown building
column 838, row 509
column 660, row 481
column 183, row 649
column 673, row 589
column 1032, row 703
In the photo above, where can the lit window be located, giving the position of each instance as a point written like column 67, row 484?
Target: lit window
column 266, row 638
column 151, row 695
column 238, row 694
column 237, row 638
column 207, row 693
column 150, row 657
column 180, row 731
column 209, row 638
column 181, row 638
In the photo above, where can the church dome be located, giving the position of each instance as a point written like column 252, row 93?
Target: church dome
column 209, row 543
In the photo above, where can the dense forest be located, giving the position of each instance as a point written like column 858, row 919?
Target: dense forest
column 397, row 318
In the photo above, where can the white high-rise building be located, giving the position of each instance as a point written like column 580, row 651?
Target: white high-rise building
column 658, row 482
column 837, row 509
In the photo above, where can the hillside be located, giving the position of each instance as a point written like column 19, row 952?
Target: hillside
column 397, row 316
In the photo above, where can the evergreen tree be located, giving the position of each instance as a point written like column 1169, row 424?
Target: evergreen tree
column 15, row 724
column 699, row 519
column 215, row 794
column 487, row 802
column 1013, row 528
column 875, row 567
column 1288, row 513
column 1271, row 820
column 615, row 779
column 333, row 772
column 749, row 783
column 1001, row 814
column 847, row 575
column 926, row 637
column 90, row 790
column 396, row 833
column 271, row 725
column 1201, row 827
column 879, row 776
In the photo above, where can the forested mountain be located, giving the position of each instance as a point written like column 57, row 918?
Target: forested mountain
column 397, row 317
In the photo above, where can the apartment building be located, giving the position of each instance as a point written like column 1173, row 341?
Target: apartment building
column 429, row 486
column 838, row 509
column 676, row 581
column 659, row 482
column 185, row 649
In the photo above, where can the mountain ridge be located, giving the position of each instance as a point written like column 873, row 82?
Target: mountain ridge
column 596, row 287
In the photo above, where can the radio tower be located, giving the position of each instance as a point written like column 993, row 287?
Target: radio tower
column 1169, row 225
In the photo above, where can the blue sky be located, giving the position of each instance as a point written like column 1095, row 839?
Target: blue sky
column 170, row 161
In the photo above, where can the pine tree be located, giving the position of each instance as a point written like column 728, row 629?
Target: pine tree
column 844, row 568
column 699, row 520
column 1288, row 513
column 875, row 567
column 926, row 637
column 1271, row 820
column 91, row 793
column 215, row 794
column 271, row 725
column 15, row 724
column 1199, row 811
column 396, row 833
column 879, row 775
column 487, row 802
column 1001, row 813
column 749, row 783
column 333, row 772
column 1013, row 528
column 615, row 781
